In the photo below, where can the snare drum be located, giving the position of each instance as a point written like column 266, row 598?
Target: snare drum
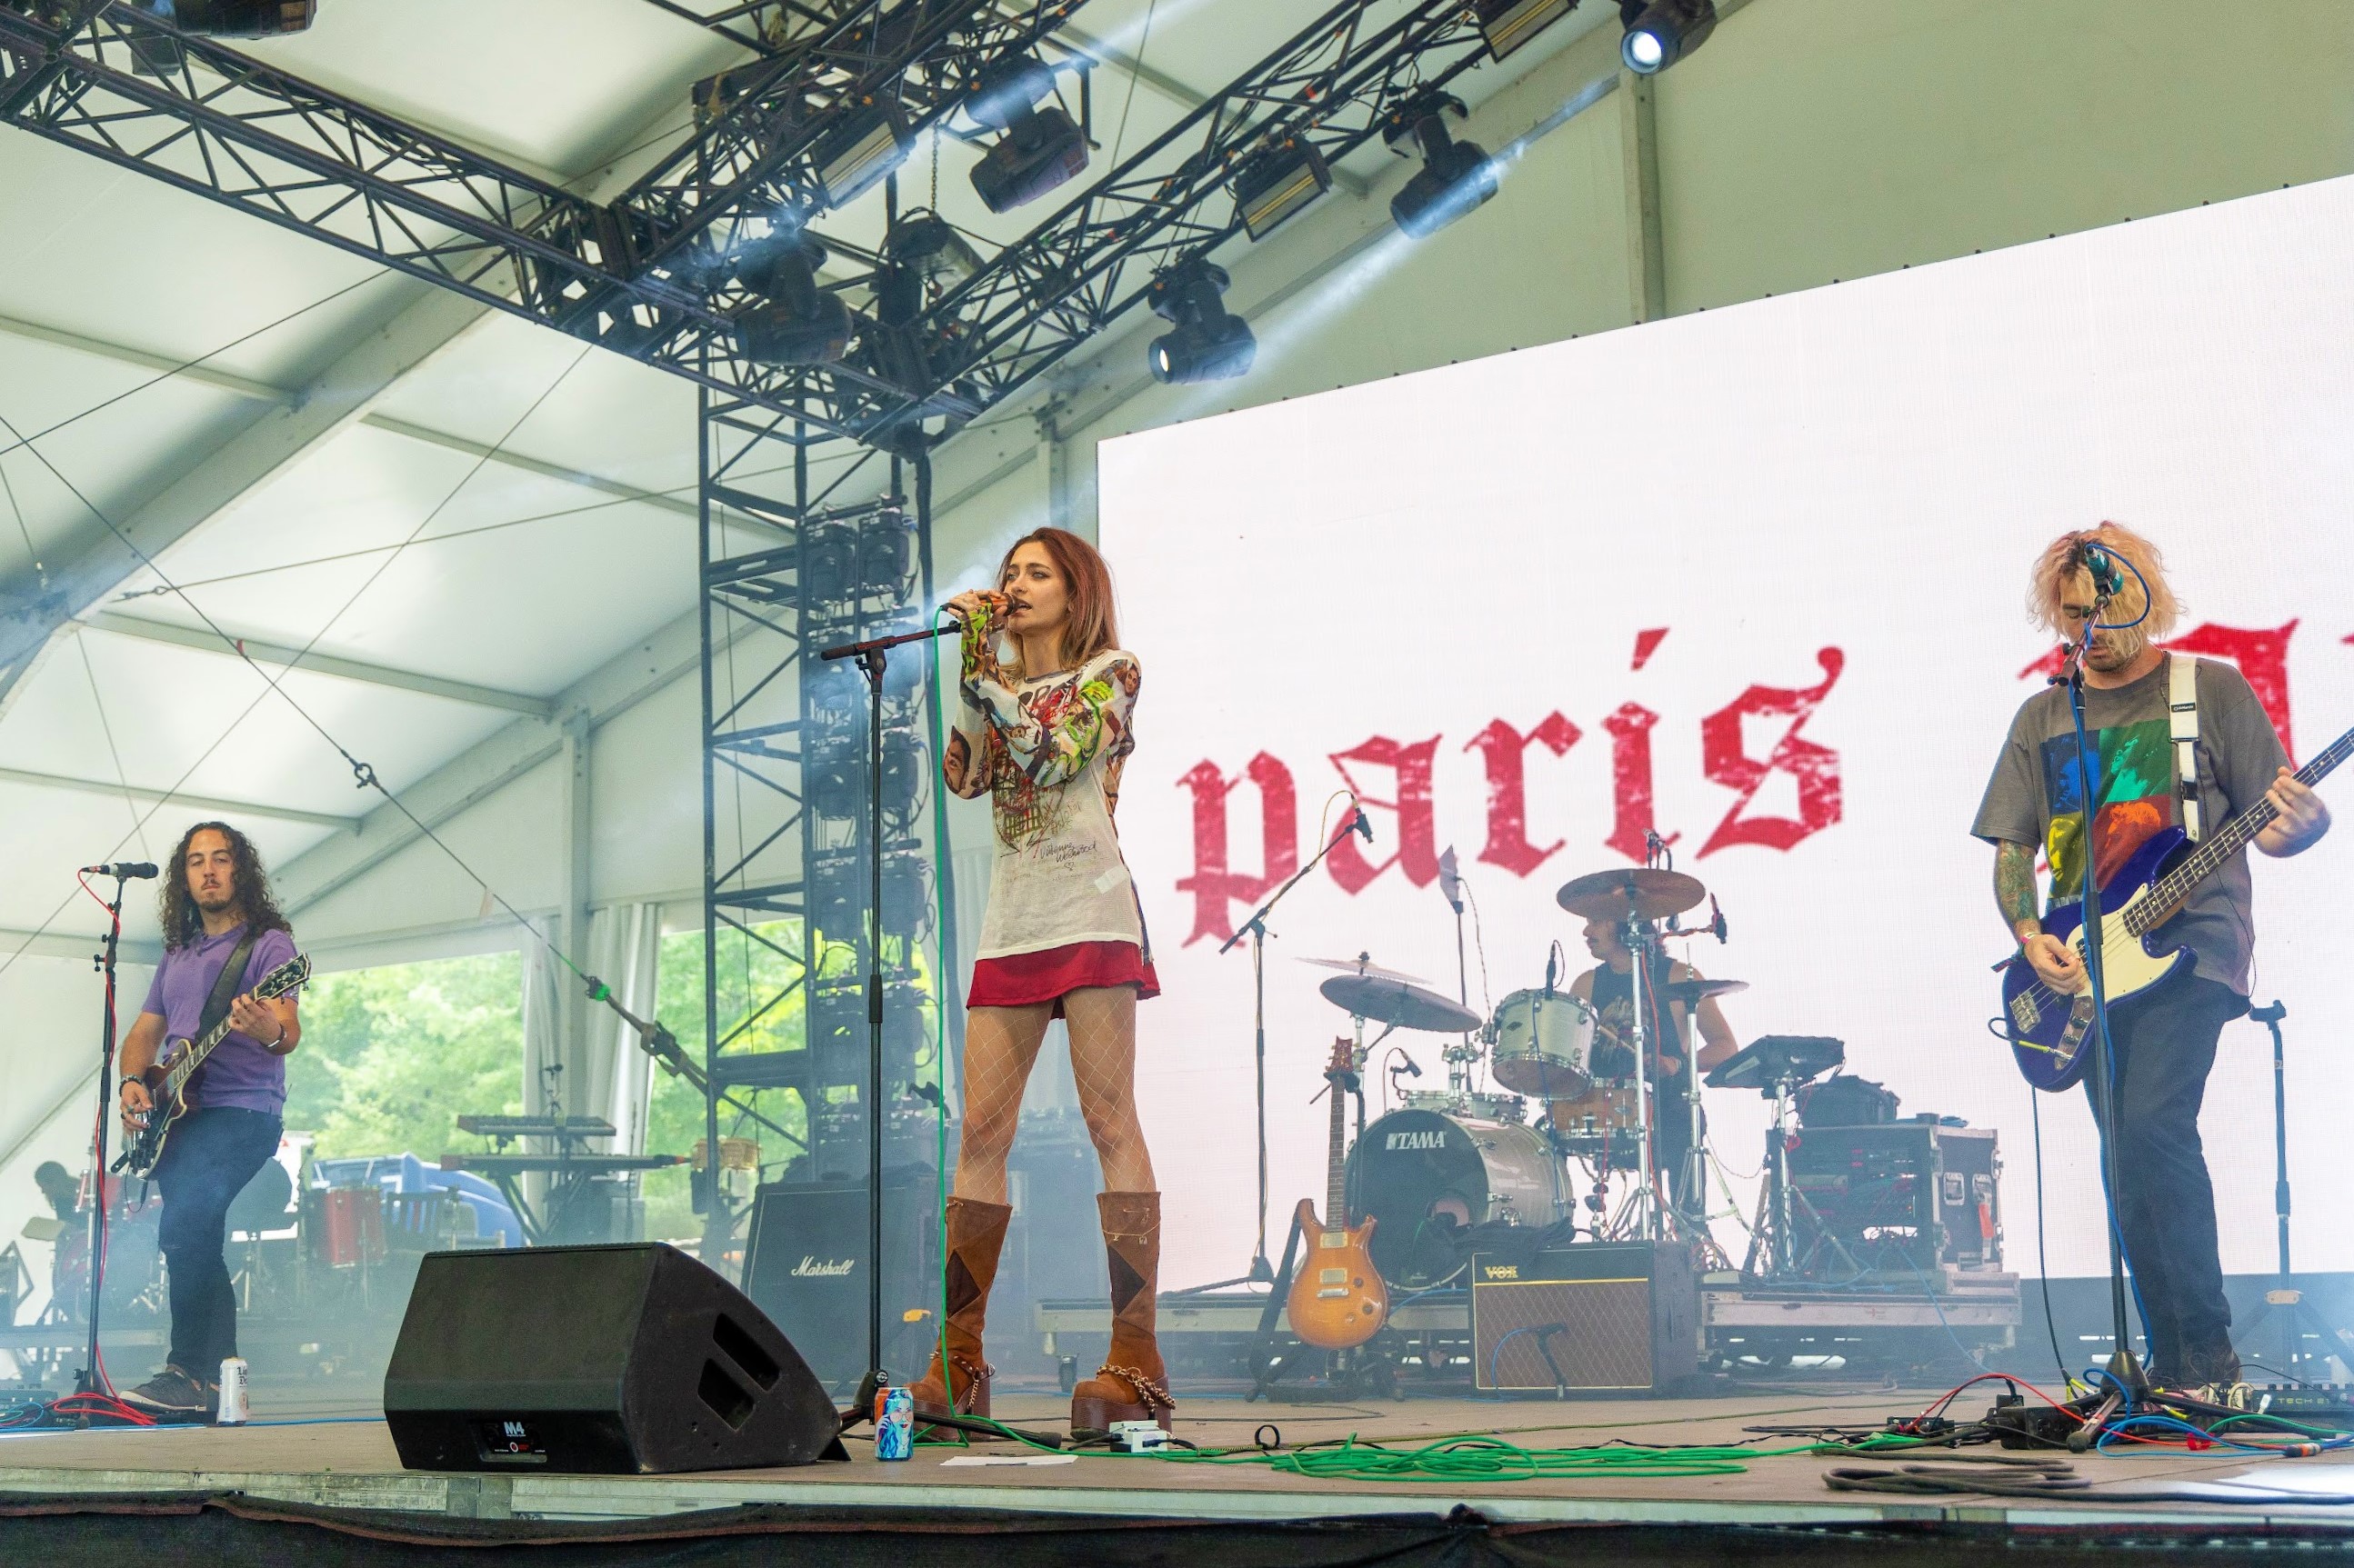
column 1601, row 1121
column 1543, row 1045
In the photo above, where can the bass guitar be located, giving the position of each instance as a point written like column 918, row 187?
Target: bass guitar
column 1337, row 1299
column 2051, row 1032
column 168, row 1079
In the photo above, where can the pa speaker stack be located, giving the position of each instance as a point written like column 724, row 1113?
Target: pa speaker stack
column 597, row 1361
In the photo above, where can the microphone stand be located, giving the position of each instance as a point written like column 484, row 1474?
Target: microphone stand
column 91, row 1378
column 873, row 656
column 2128, row 1379
column 1261, row 1271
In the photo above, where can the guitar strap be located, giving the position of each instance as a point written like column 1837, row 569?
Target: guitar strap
column 2182, row 728
column 227, row 984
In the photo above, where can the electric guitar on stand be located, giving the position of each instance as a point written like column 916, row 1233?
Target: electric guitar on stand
column 168, row 1080
column 1337, row 1299
column 2051, row 1032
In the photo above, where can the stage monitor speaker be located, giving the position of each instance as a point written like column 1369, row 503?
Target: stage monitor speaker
column 1593, row 1318
column 596, row 1361
column 805, row 1263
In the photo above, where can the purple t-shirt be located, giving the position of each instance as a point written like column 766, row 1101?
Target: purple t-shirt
column 239, row 1073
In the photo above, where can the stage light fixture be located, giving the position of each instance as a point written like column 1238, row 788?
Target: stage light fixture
column 927, row 244
column 1040, row 149
column 829, row 569
column 1205, row 343
column 1508, row 23
column 1455, row 177
column 1662, row 32
column 159, row 54
column 860, row 154
column 794, row 321
column 886, row 551
column 1278, row 184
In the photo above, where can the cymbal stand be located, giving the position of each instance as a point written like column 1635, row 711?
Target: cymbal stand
column 1643, row 942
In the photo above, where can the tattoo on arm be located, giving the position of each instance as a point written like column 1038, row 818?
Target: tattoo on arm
column 2014, row 884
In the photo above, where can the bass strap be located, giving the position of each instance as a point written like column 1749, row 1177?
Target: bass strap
column 226, row 984
column 2182, row 730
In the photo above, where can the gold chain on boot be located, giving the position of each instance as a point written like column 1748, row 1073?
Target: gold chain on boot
column 974, row 1376
column 1149, row 1393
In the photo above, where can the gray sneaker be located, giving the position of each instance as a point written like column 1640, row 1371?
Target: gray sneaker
column 174, row 1394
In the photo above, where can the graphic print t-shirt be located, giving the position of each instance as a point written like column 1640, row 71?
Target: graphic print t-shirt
column 2037, row 797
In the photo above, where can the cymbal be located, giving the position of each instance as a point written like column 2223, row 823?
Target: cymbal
column 1363, row 964
column 1698, row 990
column 1641, row 893
column 1399, row 1003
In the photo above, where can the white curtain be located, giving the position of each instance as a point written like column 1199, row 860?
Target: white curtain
column 542, row 1048
column 614, row 1074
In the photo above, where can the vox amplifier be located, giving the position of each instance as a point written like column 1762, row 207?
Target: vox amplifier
column 1590, row 1318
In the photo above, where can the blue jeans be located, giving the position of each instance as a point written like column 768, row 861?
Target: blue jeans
column 208, row 1159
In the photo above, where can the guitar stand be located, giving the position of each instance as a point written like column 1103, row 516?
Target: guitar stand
column 1351, row 1374
column 2297, row 1317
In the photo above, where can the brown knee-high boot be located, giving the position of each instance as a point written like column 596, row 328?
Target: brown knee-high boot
column 1132, row 1383
column 976, row 1233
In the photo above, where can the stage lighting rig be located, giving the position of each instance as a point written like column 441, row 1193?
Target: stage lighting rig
column 1040, row 149
column 1662, row 32
column 159, row 54
column 1507, row 24
column 924, row 243
column 1278, row 184
column 860, row 154
column 794, row 321
column 1205, row 343
column 1455, row 177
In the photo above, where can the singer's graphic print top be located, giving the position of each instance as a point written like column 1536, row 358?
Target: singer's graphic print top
column 1048, row 752
column 2035, row 797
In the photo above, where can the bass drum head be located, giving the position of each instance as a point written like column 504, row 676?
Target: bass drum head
column 1425, row 1177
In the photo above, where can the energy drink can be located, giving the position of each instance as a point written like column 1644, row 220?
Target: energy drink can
column 233, row 1411
column 894, row 1424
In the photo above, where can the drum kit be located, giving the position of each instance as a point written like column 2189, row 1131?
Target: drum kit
column 1469, row 1155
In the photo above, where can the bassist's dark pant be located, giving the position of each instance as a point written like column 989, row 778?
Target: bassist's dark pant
column 2166, row 1205
column 208, row 1159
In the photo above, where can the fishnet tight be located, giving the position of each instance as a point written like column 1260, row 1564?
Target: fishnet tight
column 1001, row 1046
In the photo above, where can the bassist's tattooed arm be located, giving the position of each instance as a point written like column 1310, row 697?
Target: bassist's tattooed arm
column 2014, row 889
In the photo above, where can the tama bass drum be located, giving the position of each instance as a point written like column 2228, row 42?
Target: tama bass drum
column 1424, row 1176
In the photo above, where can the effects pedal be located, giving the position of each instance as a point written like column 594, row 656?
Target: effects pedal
column 2308, row 1405
column 2019, row 1423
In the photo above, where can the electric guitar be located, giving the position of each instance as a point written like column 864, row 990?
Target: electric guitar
column 1337, row 1297
column 2051, row 1032
column 168, row 1079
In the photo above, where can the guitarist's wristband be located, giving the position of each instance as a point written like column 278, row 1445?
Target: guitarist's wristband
column 127, row 1083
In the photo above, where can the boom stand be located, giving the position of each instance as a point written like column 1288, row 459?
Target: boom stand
column 1262, row 1272
column 91, row 1378
column 1643, row 942
column 2129, row 1381
column 2297, row 1317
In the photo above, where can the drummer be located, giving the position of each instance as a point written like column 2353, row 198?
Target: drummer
column 1608, row 990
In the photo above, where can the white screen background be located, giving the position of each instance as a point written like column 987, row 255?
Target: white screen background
column 1869, row 467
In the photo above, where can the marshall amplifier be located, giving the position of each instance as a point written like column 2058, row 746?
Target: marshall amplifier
column 1590, row 1318
column 805, row 1266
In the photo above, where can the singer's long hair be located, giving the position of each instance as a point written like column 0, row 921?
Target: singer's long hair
column 183, row 922
column 1093, row 624
column 2062, row 558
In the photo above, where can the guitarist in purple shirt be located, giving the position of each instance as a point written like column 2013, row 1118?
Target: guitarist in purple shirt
column 2164, row 1036
column 215, row 903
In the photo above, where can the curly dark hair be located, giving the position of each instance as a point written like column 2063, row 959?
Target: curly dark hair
column 183, row 922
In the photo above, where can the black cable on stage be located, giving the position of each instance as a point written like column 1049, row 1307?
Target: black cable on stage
column 2042, row 1266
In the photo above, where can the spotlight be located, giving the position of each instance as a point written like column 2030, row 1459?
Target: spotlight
column 1508, row 23
column 159, row 54
column 829, row 570
column 860, row 154
column 794, row 321
column 1206, row 342
column 1662, row 32
column 1455, row 177
column 927, row 244
column 1278, row 184
column 1041, row 147
column 886, row 551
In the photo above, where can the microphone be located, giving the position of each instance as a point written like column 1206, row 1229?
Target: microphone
column 2107, row 581
column 1409, row 1068
column 1450, row 880
column 1363, row 826
column 1716, row 927
column 123, row 870
column 1553, row 966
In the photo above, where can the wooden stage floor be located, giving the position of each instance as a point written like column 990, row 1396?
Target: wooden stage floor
column 342, row 1461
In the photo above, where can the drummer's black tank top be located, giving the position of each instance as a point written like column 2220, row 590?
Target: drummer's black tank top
column 1614, row 1004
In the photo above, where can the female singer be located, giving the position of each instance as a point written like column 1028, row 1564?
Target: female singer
column 1044, row 736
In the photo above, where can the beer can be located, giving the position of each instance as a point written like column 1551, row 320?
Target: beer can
column 894, row 1424
column 233, row 1411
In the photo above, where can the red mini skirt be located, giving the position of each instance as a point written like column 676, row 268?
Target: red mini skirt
column 1024, row 980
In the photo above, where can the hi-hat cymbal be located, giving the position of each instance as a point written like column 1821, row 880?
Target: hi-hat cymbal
column 1398, row 1002
column 1363, row 964
column 1697, row 991
column 1639, row 893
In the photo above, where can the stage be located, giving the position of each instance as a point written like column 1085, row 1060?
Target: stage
column 335, row 1479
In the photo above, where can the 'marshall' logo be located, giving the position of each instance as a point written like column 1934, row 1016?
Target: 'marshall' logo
column 1435, row 1139
column 832, row 1268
